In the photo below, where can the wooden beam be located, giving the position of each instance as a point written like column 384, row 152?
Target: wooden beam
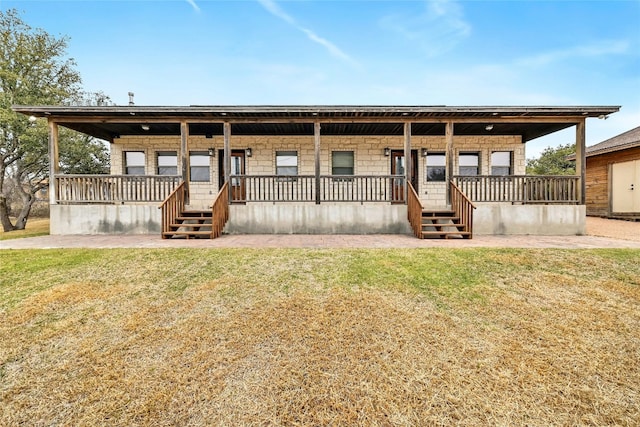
column 227, row 155
column 184, row 157
column 581, row 160
column 316, row 141
column 169, row 119
column 54, row 161
column 408, row 167
column 449, row 157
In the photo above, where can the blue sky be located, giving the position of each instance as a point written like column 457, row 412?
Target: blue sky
column 418, row 52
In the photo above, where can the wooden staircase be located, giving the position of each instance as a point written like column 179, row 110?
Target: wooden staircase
column 190, row 224
column 178, row 222
column 443, row 224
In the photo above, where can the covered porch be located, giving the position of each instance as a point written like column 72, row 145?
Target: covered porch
column 314, row 169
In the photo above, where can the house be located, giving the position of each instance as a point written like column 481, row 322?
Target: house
column 613, row 177
column 434, row 171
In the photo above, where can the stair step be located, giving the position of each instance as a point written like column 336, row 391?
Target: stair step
column 187, row 234
column 188, row 225
column 427, row 213
column 446, row 234
column 193, row 218
column 441, row 226
column 438, row 218
column 196, row 214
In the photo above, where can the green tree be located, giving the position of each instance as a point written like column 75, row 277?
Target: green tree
column 34, row 70
column 80, row 153
column 553, row 161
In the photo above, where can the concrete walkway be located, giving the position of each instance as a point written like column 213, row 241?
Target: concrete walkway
column 317, row 241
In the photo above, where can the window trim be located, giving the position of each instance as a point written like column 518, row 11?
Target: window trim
column 477, row 166
column 128, row 166
column 444, row 167
column 287, row 176
column 344, row 176
column 510, row 165
column 208, row 166
column 163, row 153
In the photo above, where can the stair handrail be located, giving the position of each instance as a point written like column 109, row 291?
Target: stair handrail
column 172, row 207
column 463, row 208
column 414, row 211
column 220, row 211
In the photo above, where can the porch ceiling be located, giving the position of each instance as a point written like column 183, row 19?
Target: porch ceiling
column 109, row 122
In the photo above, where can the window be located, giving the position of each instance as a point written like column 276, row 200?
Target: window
column 286, row 163
column 134, row 162
column 501, row 163
column 199, row 166
column 469, row 164
column 167, row 163
column 436, row 167
column 342, row 163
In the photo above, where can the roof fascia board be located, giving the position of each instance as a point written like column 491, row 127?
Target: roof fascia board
column 614, row 149
column 381, row 119
column 589, row 111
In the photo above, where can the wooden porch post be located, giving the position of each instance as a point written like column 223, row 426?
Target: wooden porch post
column 54, row 162
column 407, row 159
column 227, row 155
column 316, row 141
column 581, row 160
column 184, row 157
column 448, row 132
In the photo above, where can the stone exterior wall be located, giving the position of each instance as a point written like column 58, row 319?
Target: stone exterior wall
column 368, row 151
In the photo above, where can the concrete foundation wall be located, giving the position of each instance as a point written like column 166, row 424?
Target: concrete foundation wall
column 543, row 220
column 105, row 219
column 267, row 218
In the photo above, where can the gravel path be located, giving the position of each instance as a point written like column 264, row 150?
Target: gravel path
column 614, row 228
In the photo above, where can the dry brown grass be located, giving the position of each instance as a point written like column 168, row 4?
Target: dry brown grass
column 318, row 338
column 35, row 227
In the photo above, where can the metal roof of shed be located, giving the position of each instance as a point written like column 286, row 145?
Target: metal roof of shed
column 628, row 139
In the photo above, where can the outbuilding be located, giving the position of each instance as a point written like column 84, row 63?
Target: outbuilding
column 613, row 177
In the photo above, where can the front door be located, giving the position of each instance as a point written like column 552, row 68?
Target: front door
column 398, row 166
column 238, row 192
column 625, row 187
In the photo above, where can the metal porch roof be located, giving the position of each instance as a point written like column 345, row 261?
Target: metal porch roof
column 107, row 122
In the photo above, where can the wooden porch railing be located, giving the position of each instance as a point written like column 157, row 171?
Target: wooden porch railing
column 362, row 188
column 220, row 211
column 463, row 208
column 302, row 188
column 272, row 188
column 172, row 207
column 414, row 212
column 114, row 188
column 524, row 189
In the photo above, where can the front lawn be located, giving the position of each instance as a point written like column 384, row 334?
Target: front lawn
column 319, row 337
column 35, row 227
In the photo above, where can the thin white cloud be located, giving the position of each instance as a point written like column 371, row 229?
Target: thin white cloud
column 273, row 8
column 612, row 47
column 194, row 5
column 438, row 29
